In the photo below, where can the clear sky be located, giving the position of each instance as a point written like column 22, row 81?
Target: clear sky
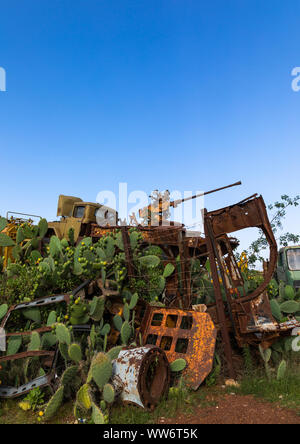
column 177, row 94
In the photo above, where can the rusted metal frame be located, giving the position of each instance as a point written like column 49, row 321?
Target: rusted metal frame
column 185, row 297
column 29, row 332
column 213, row 254
column 55, row 299
column 27, row 354
column 249, row 213
column 233, row 261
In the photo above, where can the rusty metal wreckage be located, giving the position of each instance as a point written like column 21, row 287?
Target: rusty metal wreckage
column 181, row 329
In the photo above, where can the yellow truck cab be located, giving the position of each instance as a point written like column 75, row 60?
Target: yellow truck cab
column 80, row 216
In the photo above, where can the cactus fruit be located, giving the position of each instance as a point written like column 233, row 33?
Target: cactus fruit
column 63, row 334
column 74, row 351
column 3, row 310
column 125, row 332
column 101, row 369
column 97, row 415
column 178, row 365
column 108, row 393
column 54, row 403
column 35, row 341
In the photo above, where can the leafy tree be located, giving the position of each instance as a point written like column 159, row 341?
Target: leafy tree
column 278, row 212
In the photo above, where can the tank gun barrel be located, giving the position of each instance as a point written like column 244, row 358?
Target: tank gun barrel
column 177, row 202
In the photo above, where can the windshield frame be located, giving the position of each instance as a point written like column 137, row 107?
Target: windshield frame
column 297, row 251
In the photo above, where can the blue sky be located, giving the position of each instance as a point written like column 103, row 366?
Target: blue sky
column 187, row 95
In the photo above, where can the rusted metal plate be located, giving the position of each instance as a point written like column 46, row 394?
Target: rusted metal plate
column 182, row 334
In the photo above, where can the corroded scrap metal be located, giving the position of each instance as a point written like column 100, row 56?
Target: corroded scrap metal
column 141, row 376
column 186, row 334
column 250, row 212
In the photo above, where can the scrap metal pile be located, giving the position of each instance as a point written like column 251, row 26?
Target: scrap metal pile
column 176, row 328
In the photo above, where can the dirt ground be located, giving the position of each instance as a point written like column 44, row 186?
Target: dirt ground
column 236, row 409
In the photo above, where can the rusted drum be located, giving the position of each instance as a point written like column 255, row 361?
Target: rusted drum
column 141, row 376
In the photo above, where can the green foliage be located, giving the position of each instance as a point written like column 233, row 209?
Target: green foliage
column 97, row 415
column 54, row 403
column 215, row 373
column 289, row 292
column 113, row 353
column 97, row 308
column 33, row 314
column 279, row 210
column 108, row 393
column 290, row 307
column 63, row 334
column 276, row 311
column 281, row 370
column 178, row 365
column 6, row 241
column 266, row 356
column 83, row 397
column 118, row 322
column 169, row 268
column 13, row 345
column 69, row 375
column 247, row 359
column 51, row 318
column 75, row 352
column 35, row 398
column 3, row 310
column 149, row 261
column 35, row 341
column 133, row 301
column 126, row 332
column 101, row 369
